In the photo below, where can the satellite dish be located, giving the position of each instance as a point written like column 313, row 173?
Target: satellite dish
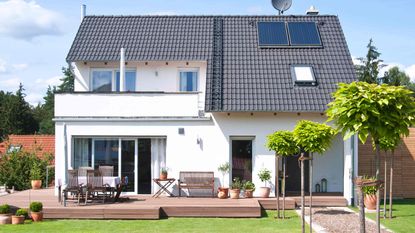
column 281, row 5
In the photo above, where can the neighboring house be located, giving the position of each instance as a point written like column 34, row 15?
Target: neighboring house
column 194, row 92
column 404, row 165
column 40, row 145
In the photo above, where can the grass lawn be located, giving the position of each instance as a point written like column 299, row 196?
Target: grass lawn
column 265, row 224
column 404, row 216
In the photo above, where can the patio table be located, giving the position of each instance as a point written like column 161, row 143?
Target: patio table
column 112, row 181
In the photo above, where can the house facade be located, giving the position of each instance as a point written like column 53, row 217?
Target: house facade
column 193, row 92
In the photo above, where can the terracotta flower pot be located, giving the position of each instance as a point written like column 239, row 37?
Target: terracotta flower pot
column 37, row 216
column 17, row 219
column 5, row 219
column 264, row 192
column 370, row 201
column 234, row 193
column 163, row 176
column 249, row 193
column 36, row 184
column 223, row 193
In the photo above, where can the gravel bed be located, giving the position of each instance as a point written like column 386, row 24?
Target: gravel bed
column 340, row 220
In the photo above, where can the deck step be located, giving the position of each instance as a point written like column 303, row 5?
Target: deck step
column 271, row 203
column 324, row 201
column 212, row 211
column 101, row 213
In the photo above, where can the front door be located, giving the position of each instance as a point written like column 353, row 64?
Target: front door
column 293, row 175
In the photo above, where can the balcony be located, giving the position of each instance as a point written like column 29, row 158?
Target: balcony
column 136, row 104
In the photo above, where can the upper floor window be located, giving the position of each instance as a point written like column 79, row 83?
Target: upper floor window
column 109, row 80
column 129, row 80
column 188, row 80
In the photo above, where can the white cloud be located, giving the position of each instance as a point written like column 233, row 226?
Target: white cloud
column 54, row 81
column 26, row 20
column 5, row 67
column 10, row 84
column 34, row 98
column 410, row 70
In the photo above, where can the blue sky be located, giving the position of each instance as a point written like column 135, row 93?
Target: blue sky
column 35, row 36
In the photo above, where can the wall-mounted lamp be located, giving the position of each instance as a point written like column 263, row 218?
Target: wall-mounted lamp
column 156, row 73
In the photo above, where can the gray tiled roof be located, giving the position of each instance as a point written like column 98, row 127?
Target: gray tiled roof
column 253, row 78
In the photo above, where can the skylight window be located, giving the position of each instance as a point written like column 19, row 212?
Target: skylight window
column 303, row 75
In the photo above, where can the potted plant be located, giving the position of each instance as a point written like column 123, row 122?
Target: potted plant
column 264, row 175
column 36, row 211
column 236, row 187
column 36, row 176
column 163, row 173
column 5, row 217
column 249, row 188
column 370, row 194
column 223, row 191
column 20, row 216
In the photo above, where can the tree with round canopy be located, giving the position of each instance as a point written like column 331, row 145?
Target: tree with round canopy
column 378, row 111
column 282, row 142
column 311, row 137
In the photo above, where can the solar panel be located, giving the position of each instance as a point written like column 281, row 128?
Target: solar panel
column 304, row 34
column 272, row 34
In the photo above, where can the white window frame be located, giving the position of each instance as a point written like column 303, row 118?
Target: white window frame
column 312, row 82
column 113, row 77
column 194, row 69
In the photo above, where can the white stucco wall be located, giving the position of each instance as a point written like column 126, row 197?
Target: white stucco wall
column 183, row 152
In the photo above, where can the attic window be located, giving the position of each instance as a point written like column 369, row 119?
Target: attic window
column 303, row 75
column 14, row 148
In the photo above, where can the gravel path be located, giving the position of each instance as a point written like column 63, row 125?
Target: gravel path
column 340, row 220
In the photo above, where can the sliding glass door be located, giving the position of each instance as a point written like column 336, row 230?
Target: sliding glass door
column 128, row 164
column 137, row 160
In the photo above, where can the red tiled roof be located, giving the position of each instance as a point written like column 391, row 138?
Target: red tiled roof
column 39, row 144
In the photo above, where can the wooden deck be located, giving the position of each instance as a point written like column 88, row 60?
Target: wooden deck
column 146, row 207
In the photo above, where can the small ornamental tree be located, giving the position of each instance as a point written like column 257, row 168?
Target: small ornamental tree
column 389, row 144
column 381, row 111
column 282, row 142
column 311, row 137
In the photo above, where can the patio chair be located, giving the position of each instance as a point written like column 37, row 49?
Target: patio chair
column 95, row 186
column 106, row 170
column 82, row 171
column 72, row 187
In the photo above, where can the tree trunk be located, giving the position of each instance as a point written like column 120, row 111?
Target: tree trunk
column 277, row 185
column 391, row 186
column 385, row 186
column 361, row 211
column 302, row 195
column 310, row 184
column 284, row 160
column 378, row 190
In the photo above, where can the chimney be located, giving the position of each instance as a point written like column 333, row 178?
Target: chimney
column 312, row 11
column 83, row 11
column 122, row 70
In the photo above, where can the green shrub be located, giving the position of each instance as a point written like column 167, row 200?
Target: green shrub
column 4, row 209
column 249, row 185
column 36, row 206
column 369, row 190
column 236, row 183
column 22, row 212
column 36, row 171
column 16, row 168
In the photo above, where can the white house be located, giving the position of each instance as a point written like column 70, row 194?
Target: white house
column 194, row 92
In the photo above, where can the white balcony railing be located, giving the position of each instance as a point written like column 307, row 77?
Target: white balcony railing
column 140, row 104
